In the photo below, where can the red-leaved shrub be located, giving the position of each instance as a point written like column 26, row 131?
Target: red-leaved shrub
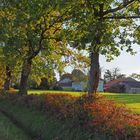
column 57, row 104
column 109, row 117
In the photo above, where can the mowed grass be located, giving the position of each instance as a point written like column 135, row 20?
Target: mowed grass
column 75, row 93
column 130, row 100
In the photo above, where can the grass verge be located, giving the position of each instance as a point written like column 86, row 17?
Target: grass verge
column 48, row 128
column 9, row 131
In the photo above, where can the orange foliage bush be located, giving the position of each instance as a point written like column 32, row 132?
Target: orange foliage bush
column 108, row 117
column 107, row 114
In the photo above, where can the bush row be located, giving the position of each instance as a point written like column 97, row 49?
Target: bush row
column 95, row 113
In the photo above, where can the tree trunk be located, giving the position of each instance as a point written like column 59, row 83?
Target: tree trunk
column 8, row 79
column 94, row 73
column 26, row 69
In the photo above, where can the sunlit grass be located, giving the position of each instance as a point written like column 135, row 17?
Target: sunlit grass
column 132, row 101
column 75, row 93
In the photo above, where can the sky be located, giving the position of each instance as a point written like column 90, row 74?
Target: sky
column 126, row 62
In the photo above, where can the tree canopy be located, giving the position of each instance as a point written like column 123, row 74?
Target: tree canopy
column 103, row 27
column 39, row 34
column 113, row 74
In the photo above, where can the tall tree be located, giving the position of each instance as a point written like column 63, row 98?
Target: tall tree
column 8, row 64
column 78, row 76
column 35, row 28
column 135, row 76
column 112, row 74
column 103, row 27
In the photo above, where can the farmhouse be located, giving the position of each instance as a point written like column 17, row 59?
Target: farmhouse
column 124, row 85
column 66, row 83
column 69, row 84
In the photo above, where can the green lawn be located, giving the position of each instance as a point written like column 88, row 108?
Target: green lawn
column 75, row 93
column 131, row 100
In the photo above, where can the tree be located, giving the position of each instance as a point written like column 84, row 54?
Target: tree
column 66, row 75
column 42, row 72
column 102, row 27
column 137, row 35
column 78, row 76
column 2, row 77
column 34, row 28
column 8, row 64
column 135, row 76
column 112, row 74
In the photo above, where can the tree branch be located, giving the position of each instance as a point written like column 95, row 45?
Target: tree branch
column 122, row 17
column 120, row 7
column 101, row 9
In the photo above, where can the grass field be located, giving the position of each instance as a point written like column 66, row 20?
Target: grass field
column 130, row 100
column 75, row 93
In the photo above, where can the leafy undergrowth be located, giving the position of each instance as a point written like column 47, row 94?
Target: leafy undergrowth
column 65, row 117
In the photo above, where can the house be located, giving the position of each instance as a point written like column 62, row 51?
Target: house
column 65, row 83
column 101, row 85
column 81, row 86
column 68, row 83
column 124, row 85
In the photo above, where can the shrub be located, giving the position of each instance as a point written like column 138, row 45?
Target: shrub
column 57, row 87
column 93, row 112
column 100, row 115
column 57, row 104
column 108, row 117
